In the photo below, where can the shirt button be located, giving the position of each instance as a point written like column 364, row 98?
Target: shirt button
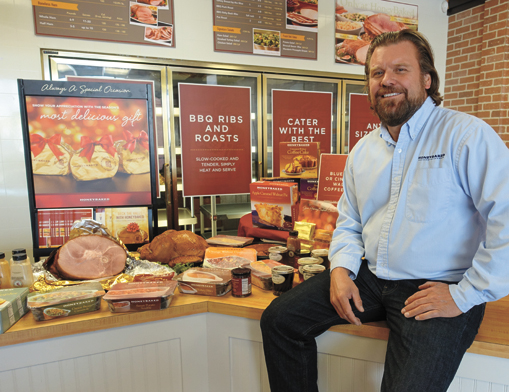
column 399, row 150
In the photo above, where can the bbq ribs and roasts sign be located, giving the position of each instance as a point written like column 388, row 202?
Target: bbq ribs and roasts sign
column 88, row 144
column 359, row 22
column 215, row 131
column 135, row 21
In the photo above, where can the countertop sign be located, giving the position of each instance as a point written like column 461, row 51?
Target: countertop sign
column 330, row 181
column 300, row 116
column 215, row 131
column 149, row 22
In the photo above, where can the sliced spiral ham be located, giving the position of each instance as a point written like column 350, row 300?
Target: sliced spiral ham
column 381, row 23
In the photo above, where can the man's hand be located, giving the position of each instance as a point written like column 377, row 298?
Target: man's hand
column 433, row 300
column 342, row 289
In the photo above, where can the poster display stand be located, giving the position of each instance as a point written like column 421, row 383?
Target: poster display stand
column 87, row 145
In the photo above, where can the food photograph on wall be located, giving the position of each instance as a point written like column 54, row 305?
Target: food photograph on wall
column 359, row 22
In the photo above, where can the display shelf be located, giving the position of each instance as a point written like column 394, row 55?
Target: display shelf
column 222, row 211
column 185, row 217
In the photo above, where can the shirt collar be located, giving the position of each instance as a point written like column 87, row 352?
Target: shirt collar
column 414, row 125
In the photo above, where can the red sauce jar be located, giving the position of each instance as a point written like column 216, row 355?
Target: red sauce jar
column 241, row 282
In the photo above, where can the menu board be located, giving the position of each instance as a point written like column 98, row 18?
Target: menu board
column 300, row 117
column 359, row 22
column 87, row 144
column 330, row 180
column 149, row 22
column 362, row 120
column 281, row 28
column 55, row 225
column 215, row 133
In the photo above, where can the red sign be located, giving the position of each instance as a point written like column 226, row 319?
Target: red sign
column 362, row 119
column 330, row 181
column 300, row 116
column 215, row 134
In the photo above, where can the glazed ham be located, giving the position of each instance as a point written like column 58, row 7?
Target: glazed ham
column 90, row 257
column 143, row 14
column 381, row 23
column 174, row 247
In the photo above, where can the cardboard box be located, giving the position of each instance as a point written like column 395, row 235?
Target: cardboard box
column 274, row 205
column 308, row 188
column 299, row 159
column 13, row 305
column 323, row 214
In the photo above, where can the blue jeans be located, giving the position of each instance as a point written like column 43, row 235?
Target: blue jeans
column 421, row 355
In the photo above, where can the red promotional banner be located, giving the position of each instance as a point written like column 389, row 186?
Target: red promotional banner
column 330, row 181
column 215, row 133
column 300, row 116
column 362, row 119
column 88, row 151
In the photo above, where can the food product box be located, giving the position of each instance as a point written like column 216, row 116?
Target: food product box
column 229, row 240
column 299, row 159
column 322, row 213
column 261, row 273
column 140, row 296
column 66, row 301
column 205, row 281
column 228, row 258
column 308, row 188
column 13, row 305
column 274, row 205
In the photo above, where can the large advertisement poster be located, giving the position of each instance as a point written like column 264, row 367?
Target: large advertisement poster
column 89, row 143
column 149, row 22
column 362, row 119
column 280, row 28
column 359, row 22
column 330, row 182
column 300, row 116
column 215, row 131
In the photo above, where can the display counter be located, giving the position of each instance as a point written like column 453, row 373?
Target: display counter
column 218, row 337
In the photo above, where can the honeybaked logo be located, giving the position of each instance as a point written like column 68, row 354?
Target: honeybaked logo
column 270, row 189
column 431, row 157
column 297, row 151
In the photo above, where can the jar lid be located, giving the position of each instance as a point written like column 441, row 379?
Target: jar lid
column 309, row 260
column 313, row 268
column 19, row 256
column 282, row 269
column 2, row 255
column 18, row 250
column 278, row 249
column 241, row 271
column 294, row 232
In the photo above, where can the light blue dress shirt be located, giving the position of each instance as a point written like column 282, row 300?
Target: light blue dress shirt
column 434, row 205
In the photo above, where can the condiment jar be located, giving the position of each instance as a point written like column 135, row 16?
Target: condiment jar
column 5, row 272
column 311, row 270
column 21, row 271
column 19, row 251
column 280, row 254
column 304, row 261
column 282, row 278
column 293, row 246
column 322, row 254
column 241, row 282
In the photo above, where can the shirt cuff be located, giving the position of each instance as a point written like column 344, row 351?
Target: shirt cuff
column 465, row 295
column 350, row 262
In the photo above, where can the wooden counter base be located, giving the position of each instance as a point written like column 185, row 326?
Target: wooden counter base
column 492, row 339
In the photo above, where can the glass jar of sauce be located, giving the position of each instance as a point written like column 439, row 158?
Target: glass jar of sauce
column 241, row 282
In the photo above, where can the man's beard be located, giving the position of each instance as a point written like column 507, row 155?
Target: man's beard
column 392, row 113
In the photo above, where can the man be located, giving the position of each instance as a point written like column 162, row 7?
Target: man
column 421, row 239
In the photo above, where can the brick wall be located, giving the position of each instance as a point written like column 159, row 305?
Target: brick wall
column 477, row 69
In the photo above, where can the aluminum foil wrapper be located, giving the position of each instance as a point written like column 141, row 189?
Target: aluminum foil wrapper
column 45, row 281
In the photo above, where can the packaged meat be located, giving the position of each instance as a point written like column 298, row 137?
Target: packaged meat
column 13, row 305
column 231, row 257
column 140, row 296
column 205, row 281
column 66, row 301
column 229, row 240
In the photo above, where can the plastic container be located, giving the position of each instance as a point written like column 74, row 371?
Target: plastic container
column 140, row 296
column 21, row 271
column 5, row 272
column 241, row 282
column 205, row 281
column 19, row 251
column 66, row 302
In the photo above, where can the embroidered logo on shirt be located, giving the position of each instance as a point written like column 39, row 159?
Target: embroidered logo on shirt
column 431, row 157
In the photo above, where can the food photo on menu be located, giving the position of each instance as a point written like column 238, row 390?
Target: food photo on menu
column 266, row 42
column 143, row 14
column 162, row 34
column 302, row 15
column 157, row 3
column 356, row 28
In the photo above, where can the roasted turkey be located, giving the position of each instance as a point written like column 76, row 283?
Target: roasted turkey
column 174, row 247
